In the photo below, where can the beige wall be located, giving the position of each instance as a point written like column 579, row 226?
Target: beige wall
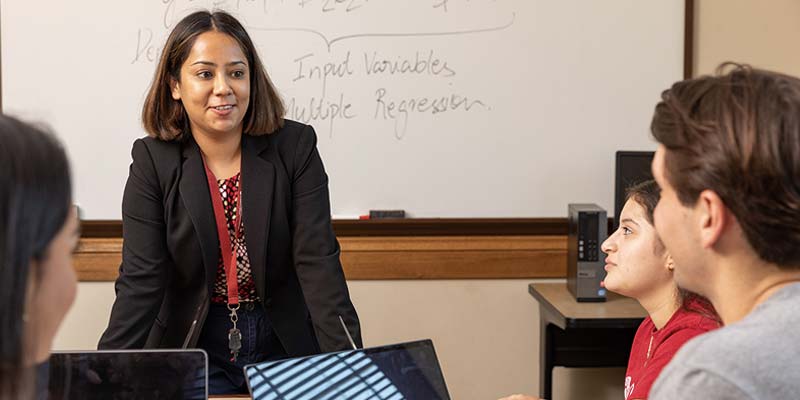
column 486, row 333
column 761, row 33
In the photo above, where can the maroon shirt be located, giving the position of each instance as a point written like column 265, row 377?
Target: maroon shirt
column 653, row 348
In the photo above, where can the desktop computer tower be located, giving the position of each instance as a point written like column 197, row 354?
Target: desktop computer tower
column 588, row 227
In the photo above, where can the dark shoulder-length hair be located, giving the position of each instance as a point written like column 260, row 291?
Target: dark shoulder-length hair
column 165, row 118
column 35, row 197
column 647, row 194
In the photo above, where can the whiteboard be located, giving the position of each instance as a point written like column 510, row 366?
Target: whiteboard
column 444, row 108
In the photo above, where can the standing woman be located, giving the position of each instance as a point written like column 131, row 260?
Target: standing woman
column 38, row 234
column 228, row 243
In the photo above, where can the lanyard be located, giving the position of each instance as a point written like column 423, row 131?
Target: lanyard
column 228, row 255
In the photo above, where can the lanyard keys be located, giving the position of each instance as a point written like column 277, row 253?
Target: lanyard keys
column 234, row 342
column 234, row 334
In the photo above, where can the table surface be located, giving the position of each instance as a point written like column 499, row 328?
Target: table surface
column 565, row 311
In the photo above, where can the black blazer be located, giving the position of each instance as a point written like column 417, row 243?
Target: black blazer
column 171, row 249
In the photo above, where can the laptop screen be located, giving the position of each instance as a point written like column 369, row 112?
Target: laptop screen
column 129, row 374
column 398, row 371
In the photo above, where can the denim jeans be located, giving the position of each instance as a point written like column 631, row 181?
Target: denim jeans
column 259, row 343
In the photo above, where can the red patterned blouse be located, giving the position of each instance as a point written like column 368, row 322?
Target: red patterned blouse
column 229, row 189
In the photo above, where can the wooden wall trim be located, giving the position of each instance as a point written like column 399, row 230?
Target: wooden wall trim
column 98, row 259
column 380, row 258
column 451, row 227
column 400, row 227
column 101, row 228
column 476, row 257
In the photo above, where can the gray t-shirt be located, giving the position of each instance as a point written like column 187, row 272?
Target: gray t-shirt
column 755, row 358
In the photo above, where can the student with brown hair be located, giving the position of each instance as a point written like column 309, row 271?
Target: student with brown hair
column 728, row 164
column 38, row 232
column 639, row 266
column 228, row 243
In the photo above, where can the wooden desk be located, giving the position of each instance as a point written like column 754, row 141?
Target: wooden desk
column 582, row 335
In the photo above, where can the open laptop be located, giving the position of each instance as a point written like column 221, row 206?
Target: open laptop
column 129, row 374
column 398, row 371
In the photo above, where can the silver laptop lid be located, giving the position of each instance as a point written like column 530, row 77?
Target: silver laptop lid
column 398, row 371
